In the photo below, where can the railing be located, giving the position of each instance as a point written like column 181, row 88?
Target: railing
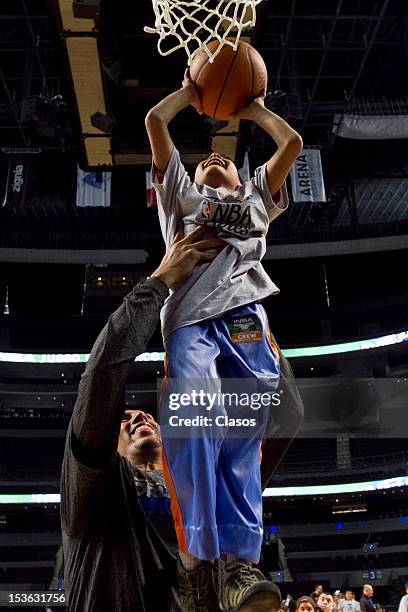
column 329, row 233
column 299, row 469
column 328, row 466
column 385, row 522
column 38, row 538
column 29, row 474
column 281, row 233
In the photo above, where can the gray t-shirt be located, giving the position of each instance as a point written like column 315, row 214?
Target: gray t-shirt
column 348, row 605
column 235, row 277
column 403, row 605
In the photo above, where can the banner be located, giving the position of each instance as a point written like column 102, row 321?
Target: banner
column 244, row 172
column 150, row 192
column 371, row 127
column 93, row 188
column 307, row 177
column 17, row 180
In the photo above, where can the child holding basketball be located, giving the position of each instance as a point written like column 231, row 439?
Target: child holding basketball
column 215, row 479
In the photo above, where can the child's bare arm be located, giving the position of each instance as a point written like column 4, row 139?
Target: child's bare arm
column 287, row 139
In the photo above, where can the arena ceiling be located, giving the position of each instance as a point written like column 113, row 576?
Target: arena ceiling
column 324, row 58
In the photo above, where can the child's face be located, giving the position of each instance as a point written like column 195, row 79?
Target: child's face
column 325, row 602
column 217, row 170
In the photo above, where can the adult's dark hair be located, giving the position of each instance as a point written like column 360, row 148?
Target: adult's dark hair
column 306, row 598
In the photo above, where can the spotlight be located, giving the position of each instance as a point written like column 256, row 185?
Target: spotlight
column 214, row 125
column 370, row 546
column 111, row 65
column 102, row 122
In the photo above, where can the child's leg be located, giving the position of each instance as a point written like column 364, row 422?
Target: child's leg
column 255, row 365
column 239, row 500
column 190, row 460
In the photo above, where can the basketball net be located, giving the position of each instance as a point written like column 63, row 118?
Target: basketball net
column 194, row 24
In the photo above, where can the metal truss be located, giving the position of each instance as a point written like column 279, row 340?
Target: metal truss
column 29, row 65
column 330, row 53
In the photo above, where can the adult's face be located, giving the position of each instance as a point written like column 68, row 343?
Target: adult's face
column 368, row 590
column 139, row 437
column 348, row 595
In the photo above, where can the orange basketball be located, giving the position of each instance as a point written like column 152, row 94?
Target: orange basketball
column 231, row 82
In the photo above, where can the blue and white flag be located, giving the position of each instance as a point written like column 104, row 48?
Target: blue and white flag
column 93, row 188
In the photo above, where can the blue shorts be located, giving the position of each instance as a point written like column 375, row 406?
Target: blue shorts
column 213, row 474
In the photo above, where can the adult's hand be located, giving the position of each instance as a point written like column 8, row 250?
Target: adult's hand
column 184, row 254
